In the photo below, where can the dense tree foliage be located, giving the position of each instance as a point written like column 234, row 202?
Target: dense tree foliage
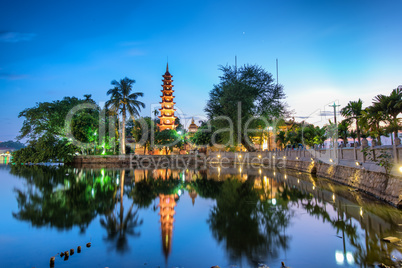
column 143, row 130
column 50, row 128
column 168, row 139
column 241, row 96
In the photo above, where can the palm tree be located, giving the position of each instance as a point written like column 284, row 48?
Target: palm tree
column 343, row 130
column 370, row 122
column 353, row 135
column 121, row 101
column 353, row 111
column 391, row 106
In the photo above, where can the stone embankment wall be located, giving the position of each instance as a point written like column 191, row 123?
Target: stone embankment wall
column 363, row 175
column 383, row 186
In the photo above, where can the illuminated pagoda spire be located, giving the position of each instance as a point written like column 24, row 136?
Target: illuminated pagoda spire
column 167, row 118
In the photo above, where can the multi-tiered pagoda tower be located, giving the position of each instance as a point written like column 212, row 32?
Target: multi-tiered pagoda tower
column 167, row 118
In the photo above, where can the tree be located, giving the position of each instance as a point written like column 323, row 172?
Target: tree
column 46, row 129
column 242, row 95
column 142, row 131
column 48, row 117
column 281, row 138
column 121, row 101
column 370, row 122
column 343, row 130
column 203, row 136
column 168, row 138
column 353, row 111
column 353, row 135
column 391, row 107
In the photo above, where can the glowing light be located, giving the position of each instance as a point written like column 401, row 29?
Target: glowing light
column 93, row 193
column 239, row 156
column 179, row 192
column 273, row 201
column 339, row 257
column 330, row 160
column 357, row 164
column 333, row 197
column 219, row 156
column 313, row 187
column 400, row 169
column 273, row 156
column 179, row 132
column 104, row 152
column 103, row 172
column 259, row 156
column 349, row 258
column 117, row 181
column 274, row 173
column 298, row 181
column 312, row 159
column 286, row 176
column 284, row 157
column 240, row 170
column 259, row 171
column 297, row 158
column 361, row 211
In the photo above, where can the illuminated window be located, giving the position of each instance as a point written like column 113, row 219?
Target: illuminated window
column 167, row 121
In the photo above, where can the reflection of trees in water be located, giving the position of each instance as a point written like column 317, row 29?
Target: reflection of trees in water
column 246, row 225
column 118, row 225
column 61, row 198
column 367, row 249
column 243, row 219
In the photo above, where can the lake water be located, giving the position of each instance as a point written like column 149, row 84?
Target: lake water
column 189, row 218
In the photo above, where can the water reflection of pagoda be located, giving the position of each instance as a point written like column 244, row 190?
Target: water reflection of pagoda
column 167, row 204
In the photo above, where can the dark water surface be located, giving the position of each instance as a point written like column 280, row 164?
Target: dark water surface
column 186, row 218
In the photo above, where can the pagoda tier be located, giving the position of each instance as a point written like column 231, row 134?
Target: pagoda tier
column 167, row 118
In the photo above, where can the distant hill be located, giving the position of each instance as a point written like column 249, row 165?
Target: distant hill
column 12, row 145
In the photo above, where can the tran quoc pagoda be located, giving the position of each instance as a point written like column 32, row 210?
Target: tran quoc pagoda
column 167, row 117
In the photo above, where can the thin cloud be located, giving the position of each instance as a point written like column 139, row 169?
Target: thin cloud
column 14, row 37
column 135, row 52
column 8, row 76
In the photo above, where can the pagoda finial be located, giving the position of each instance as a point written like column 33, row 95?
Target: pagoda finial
column 167, row 67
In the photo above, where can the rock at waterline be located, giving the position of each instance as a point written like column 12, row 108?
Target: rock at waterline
column 88, row 244
column 391, row 239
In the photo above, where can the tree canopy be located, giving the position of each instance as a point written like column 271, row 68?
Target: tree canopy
column 243, row 100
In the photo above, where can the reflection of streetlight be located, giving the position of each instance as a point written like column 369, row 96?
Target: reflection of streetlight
column 340, row 257
column 179, row 132
column 269, row 138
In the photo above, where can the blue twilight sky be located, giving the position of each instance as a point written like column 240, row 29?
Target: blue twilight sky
column 328, row 50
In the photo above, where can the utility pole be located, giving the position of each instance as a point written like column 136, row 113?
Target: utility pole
column 334, row 106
